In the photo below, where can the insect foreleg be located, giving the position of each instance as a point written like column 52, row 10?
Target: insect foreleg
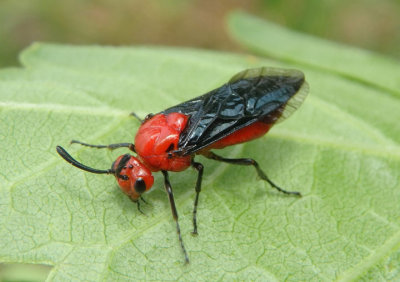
column 110, row 146
column 168, row 188
column 136, row 116
column 248, row 161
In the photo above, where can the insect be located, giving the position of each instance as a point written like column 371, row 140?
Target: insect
column 241, row 110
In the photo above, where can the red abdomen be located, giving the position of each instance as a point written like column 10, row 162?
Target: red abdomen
column 158, row 136
column 245, row 134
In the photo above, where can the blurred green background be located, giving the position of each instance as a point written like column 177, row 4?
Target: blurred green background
column 370, row 24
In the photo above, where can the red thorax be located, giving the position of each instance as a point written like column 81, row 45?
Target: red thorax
column 157, row 137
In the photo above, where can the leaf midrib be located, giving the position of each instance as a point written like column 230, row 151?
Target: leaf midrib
column 391, row 150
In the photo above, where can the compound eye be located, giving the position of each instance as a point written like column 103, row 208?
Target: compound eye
column 140, row 185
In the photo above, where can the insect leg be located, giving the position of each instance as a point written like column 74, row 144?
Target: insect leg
column 168, row 188
column 248, row 161
column 199, row 167
column 111, row 146
column 141, row 198
column 138, row 206
column 136, row 116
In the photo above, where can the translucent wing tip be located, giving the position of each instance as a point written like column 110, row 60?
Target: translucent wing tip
column 295, row 76
column 267, row 71
column 295, row 102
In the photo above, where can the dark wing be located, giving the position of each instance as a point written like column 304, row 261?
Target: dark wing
column 263, row 94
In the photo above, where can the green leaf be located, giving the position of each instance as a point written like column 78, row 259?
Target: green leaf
column 340, row 149
column 352, row 119
column 268, row 39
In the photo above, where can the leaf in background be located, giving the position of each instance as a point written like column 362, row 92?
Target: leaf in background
column 341, row 153
column 269, row 39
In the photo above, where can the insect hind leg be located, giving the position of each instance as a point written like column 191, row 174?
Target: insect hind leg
column 248, row 161
column 130, row 146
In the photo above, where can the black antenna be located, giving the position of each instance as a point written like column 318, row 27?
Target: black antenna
column 121, row 165
column 61, row 151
